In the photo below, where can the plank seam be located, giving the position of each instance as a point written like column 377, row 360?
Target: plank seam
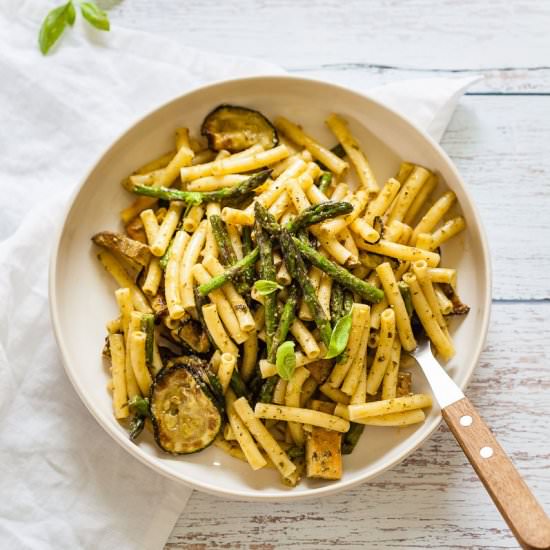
column 521, row 301
column 365, row 65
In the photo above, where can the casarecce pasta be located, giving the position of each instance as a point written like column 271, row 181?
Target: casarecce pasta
column 269, row 288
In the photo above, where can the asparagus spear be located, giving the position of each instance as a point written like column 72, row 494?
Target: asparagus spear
column 324, row 181
column 268, row 387
column 297, row 269
column 296, row 452
column 314, row 214
column 336, row 302
column 196, row 197
column 255, row 385
column 267, row 272
column 405, row 291
column 227, row 253
column 216, row 388
column 287, row 318
column 348, row 302
column 166, row 256
column 338, row 273
column 148, row 326
column 140, row 407
column 318, row 213
column 238, row 385
column 266, row 220
column 351, row 437
column 231, row 273
column 246, row 236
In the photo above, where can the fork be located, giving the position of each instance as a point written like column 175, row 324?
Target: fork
column 514, row 500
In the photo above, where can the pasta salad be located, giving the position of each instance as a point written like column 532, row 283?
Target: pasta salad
column 266, row 302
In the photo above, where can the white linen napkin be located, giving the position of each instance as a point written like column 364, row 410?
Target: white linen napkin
column 64, row 482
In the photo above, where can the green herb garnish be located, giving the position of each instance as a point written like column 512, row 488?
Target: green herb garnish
column 339, row 337
column 57, row 20
column 286, row 360
column 264, row 287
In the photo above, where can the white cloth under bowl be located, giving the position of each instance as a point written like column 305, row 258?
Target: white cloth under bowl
column 64, row 482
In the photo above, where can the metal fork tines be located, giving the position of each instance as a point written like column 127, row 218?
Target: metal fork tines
column 443, row 387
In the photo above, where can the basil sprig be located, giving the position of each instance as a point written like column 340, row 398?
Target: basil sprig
column 57, row 20
column 264, row 287
column 339, row 337
column 286, row 360
column 95, row 16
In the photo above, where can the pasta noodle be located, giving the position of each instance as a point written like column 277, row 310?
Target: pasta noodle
column 225, row 311
column 303, row 416
column 395, row 299
column 167, row 229
column 239, row 305
column 443, row 345
column 408, row 193
column 293, row 132
column 189, row 259
column 226, row 368
column 220, row 337
column 358, row 159
column 171, row 286
column 360, row 315
column 242, row 435
column 383, row 351
column 120, row 395
column 434, row 215
column 387, row 406
column 292, row 399
column 264, row 438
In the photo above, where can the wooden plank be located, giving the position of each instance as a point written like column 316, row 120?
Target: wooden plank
column 433, row 499
column 419, row 34
column 502, row 151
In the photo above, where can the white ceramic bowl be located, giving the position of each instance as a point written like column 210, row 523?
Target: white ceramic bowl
column 81, row 293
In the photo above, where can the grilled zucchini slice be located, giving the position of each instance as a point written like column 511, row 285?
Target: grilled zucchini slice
column 236, row 128
column 185, row 415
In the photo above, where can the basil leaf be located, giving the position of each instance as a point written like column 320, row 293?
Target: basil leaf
column 70, row 14
column 95, row 16
column 339, row 337
column 54, row 24
column 263, row 287
column 286, row 360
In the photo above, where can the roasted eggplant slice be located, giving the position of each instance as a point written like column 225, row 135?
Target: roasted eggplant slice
column 185, row 416
column 236, row 128
column 192, row 361
column 136, row 231
column 130, row 249
column 192, row 334
column 459, row 308
column 204, row 374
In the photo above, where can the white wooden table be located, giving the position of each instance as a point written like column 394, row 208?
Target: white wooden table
column 500, row 141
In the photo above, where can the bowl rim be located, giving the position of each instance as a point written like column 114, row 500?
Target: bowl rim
column 253, row 494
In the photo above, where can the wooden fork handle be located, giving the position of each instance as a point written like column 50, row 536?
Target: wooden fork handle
column 516, row 503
